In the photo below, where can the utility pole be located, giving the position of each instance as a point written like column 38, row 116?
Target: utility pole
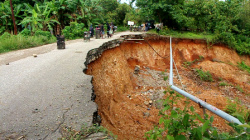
column 13, row 18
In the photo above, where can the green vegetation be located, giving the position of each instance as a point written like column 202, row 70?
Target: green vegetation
column 239, row 88
column 49, row 18
column 75, row 30
column 235, row 108
column 17, row 42
column 216, row 21
column 122, row 28
column 243, row 66
column 204, row 76
column 85, row 132
column 188, row 64
column 178, row 124
column 223, row 84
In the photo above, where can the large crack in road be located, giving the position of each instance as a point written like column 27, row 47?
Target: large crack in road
column 39, row 94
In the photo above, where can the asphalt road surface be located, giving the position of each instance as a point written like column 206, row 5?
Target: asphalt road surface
column 38, row 95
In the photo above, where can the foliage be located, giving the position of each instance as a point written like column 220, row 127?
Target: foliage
column 75, row 30
column 85, row 132
column 25, row 32
column 239, row 88
column 16, row 42
column 122, row 28
column 43, row 33
column 223, row 84
column 205, row 76
column 177, row 124
column 235, row 108
column 188, row 64
column 6, row 35
column 243, row 66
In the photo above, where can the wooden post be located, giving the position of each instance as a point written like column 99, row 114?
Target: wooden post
column 13, row 18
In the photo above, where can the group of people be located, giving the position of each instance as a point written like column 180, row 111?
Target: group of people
column 110, row 30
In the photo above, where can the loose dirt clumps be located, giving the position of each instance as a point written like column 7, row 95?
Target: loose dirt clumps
column 128, row 80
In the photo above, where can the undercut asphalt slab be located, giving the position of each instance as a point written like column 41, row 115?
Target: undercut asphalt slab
column 40, row 94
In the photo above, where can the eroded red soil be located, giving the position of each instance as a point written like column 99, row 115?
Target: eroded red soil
column 123, row 96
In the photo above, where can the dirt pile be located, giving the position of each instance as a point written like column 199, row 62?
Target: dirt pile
column 128, row 101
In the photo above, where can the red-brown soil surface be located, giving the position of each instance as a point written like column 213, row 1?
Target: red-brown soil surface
column 122, row 96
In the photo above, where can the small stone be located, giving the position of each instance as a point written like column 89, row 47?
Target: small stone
column 151, row 91
column 35, row 55
column 137, row 69
column 146, row 114
column 198, row 92
column 150, row 101
column 146, row 103
column 7, row 63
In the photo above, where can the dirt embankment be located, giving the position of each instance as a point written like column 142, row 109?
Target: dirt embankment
column 124, row 97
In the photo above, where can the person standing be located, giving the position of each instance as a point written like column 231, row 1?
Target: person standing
column 108, row 29
column 113, row 27
column 91, row 30
column 102, row 31
column 146, row 27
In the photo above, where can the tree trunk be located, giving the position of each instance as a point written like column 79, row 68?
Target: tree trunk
column 13, row 18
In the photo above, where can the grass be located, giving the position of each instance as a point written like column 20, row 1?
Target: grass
column 239, row 89
column 17, row 42
column 185, row 34
column 188, row 63
column 223, row 84
column 236, row 109
column 204, row 75
column 243, row 66
column 86, row 132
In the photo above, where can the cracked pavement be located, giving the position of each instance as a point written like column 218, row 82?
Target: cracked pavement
column 39, row 94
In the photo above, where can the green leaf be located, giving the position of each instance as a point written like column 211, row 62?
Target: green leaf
column 170, row 137
column 215, row 133
column 198, row 134
column 205, row 126
column 199, row 117
column 192, row 108
column 165, row 78
column 180, row 137
column 211, row 119
column 174, row 114
column 185, row 120
column 161, row 120
column 244, row 125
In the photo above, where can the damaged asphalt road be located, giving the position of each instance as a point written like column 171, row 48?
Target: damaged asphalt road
column 38, row 95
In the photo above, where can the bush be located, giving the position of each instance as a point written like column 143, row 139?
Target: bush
column 183, row 124
column 75, row 30
column 122, row 28
column 26, row 32
column 205, row 76
column 235, row 109
column 43, row 33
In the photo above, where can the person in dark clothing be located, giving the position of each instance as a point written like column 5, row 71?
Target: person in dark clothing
column 146, row 27
column 102, row 31
column 108, row 29
column 91, row 30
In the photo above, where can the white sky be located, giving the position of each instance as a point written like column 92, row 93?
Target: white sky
column 127, row 1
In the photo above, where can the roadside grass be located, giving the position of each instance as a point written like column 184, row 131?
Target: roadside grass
column 184, row 34
column 17, row 42
column 122, row 29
